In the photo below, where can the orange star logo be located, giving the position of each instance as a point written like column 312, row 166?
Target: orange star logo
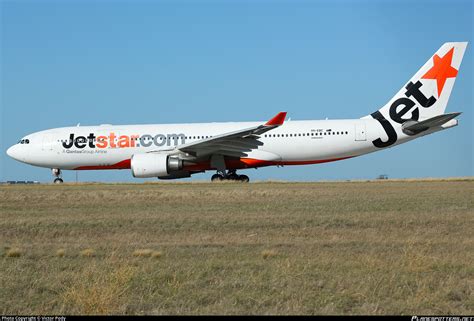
column 441, row 70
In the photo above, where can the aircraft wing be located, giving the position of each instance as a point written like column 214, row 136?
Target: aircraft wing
column 235, row 143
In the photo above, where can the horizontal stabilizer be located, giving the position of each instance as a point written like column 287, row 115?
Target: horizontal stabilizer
column 412, row 127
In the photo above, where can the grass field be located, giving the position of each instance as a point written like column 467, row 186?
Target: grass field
column 263, row 248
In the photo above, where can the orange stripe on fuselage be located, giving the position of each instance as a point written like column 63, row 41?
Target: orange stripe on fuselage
column 253, row 163
column 230, row 164
column 259, row 163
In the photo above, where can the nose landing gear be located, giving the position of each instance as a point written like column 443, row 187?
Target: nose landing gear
column 57, row 173
column 230, row 175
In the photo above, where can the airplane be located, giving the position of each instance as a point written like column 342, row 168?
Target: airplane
column 172, row 151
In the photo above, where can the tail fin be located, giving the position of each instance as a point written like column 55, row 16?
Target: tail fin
column 427, row 93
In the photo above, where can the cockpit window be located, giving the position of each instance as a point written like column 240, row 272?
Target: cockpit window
column 24, row 141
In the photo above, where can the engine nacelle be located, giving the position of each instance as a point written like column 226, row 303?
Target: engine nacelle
column 154, row 165
column 176, row 175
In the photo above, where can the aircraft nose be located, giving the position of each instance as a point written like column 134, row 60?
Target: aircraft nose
column 13, row 152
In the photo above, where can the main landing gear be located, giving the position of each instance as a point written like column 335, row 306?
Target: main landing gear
column 57, row 173
column 230, row 175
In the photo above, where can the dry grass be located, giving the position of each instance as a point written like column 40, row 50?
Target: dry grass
column 269, row 254
column 60, row 253
column 98, row 289
column 88, row 253
column 156, row 254
column 385, row 247
column 14, row 252
column 143, row 253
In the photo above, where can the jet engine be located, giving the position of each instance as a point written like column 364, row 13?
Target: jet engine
column 155, row 165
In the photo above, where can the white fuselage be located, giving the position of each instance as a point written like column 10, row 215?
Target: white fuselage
column 111, row 147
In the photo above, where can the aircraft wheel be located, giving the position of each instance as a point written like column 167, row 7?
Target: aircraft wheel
column 58, row 181
column 244, row 178
column 233, row 177
column 216, row 178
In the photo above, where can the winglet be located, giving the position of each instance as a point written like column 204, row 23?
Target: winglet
column 277, row 120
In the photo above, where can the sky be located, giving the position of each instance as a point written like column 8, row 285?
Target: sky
column 138, row 62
